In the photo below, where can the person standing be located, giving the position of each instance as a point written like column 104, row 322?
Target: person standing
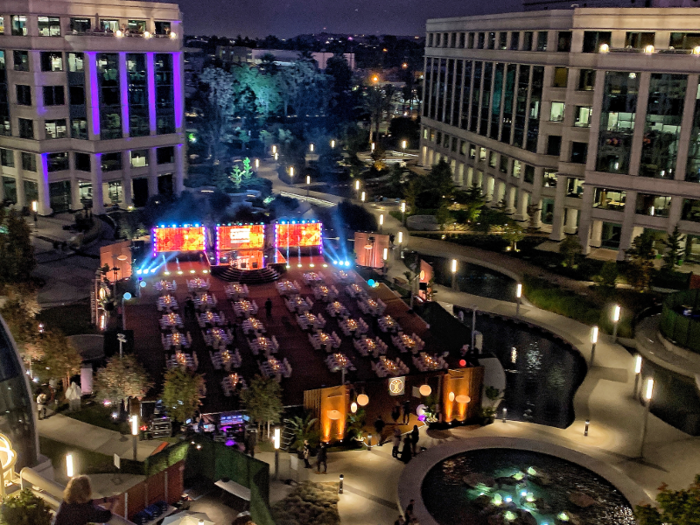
column 78, row 507
column 268, row 307
column 41, row 405
column 406, row 411
column 406, row 450
column 379, row 428
column 306, row 452
column 396, row 442
column 414, row 439
column 321, row 459
column 396, row 413
column 409, row 511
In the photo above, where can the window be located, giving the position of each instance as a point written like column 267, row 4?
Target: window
column 653, row 205
column 583, row 116
column 462, row 40
column 561, row 77
column 462, row 147
column 481, row 40
column 109, row 26
column 57, row 162
column 527, row 41
column 691, row 210
column 492, row 40
column 607, row 199
column 454, row 145
column 482, row 154
column 430, row 40
column 618, row 113
column 139, row 158
column 78, row 128
column 517, row 169
column 52, row 61
column 56, row 129
column 54, row 96
column 579, row 151
column 503, row 165
column 7, row 158
column 554, row 145
column 21, row 60
column 24, row 95
column 76, row 62
column 529, row 174
column 638, row 40
column 76, row 95
column 109, row 96
column 28, row 161
column 472, row 151
column 453, row 40
column 502, row 40
column 574, row 187
column 446, row 141
column 19, row 25
column 549, row 179
column 586, row 80
column 26, row 128
column 80, row 25
column 542, row 41
column 82, row 161
column 111, row 161
column 684, row 40
column 162, row 28
column 49, row 26
column 165, row 155
column 593, row 40
column 2, row 25
column 470, row 41
column 556, row 112
column 136, row 26
column 493, row 158
column 514, row 41
column 564, row 41
column 165, row 107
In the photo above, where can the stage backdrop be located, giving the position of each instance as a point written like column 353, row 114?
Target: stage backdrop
column 183, row 239
column 240, row 237
column 300, row 234
column 117, row 255
column 369, row 249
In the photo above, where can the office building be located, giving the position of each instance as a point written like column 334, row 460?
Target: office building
column 587, row 119
column 91, row 103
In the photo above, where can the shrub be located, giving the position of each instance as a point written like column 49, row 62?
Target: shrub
column 25, row 509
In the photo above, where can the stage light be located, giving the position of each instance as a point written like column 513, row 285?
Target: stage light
column 192, row 271
column 154, row 270
column 138, row 272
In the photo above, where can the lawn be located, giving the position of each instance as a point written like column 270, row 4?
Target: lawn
column 99, row 416
column 71, row 319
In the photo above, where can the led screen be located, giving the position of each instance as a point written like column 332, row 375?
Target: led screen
column 249, row 236
column 185, row 239
column 308, row 234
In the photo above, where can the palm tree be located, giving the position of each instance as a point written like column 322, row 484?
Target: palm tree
column 303, row 429
column 378, row 102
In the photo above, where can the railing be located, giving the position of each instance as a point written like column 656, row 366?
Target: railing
column 120, row 34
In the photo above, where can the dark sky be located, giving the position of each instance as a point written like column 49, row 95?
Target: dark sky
column 287, row 18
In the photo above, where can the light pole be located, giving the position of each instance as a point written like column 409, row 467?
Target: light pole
column 257, row 164
column 403, row 213
column 638, row 362
column 125, row 297
column 70, row 466
column 616, row 321
column 648, row 394
column 35, row 209
column 357, row 189
column 311, row 147
column 276, row 443
column 135, row 433
column 333, row 144
column 518, row 296
column 371, row 147
column 122, row 339
column 594, row 341
column 291, row 174
column 403, row 147
column 308, row 183
column 454, row 274
column 381, row 222
column 385, row 256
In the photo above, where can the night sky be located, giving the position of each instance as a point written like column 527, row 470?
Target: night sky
column 288, row 18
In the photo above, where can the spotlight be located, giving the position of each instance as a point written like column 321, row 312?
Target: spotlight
column 347, row 263
column 138, row 272
column 154, row 270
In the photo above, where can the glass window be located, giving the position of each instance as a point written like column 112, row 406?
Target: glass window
column 163, row 28
column 165, row 155
column 165, row 111
column 112, row 161
column 594, row 40
column 561, row 77
column 582, row 116
column 554, row 145
column 26, row 128
column 430, row 40
column 492, row 40
column 24, row 95
column 462, row 147
column 57, row 162
column 564, row 41
column 527, row 41
column 637, row 40
column 51, row 61
column 453, row 40
column 54, row 96
column 446, row 141
column 2, row 25
column 115, row 192
column 21, row 60
column 28, row 161
column 109, row 96
column 76, row 95
column 462, row 40
column 482, row 154
column 502, row 40
column 691, row 210
column 517, row 169
column 529, row 174
column 472, row 151
column 139, row 158
column 533, row 123
column 542, row 41
column 109, row 26
column 481, row 41
column 579, row 152
column 453, row 148
column 556, row 112
column 137, row 80
column 56, row 129
column 19, row 25
column 493, row 158
column 80, row 25
column 470, row 41
column 7, row 158
column 514, row 40
column 586, row 80
column 49, row 26
column 607, row 199
column 76, row 62
column 79, row 128
column 684, row 40
column 549, row 179
column 136, row 26
column 82, row 161
column 503, row 164
column 653, row 205
column 574, row 187
column 617, row 118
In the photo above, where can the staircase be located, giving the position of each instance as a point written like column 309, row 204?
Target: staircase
column 287, row 437
column 231, row 274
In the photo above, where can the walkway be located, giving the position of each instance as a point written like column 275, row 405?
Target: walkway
column 650, row 346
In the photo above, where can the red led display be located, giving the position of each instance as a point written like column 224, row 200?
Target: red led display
column 185, row 239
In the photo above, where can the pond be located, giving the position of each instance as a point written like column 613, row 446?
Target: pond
column 485, row 487
column 542, row 372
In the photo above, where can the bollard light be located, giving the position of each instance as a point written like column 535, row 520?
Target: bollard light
column 403, row 207
column 585, row 428
column 505, row 414
column 363, row 197
column 386, row 254
column 274, row 149
column 357, row 185
column 381, row 219
column 257, row 163
column 400, row 237
column 454, row 265
column 70, row 470
column 311, row 148
column 638, row 364
column 333, row 143
column 616, row 313
column 291, row 171
column 340, row 484
column 519, row 291
column 134, row 425
column 372, row 145
column 649, row 390
column 277, row 438
column 594, row 341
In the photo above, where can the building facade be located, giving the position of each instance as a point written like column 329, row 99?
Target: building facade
column 581, row 121
column 91, row 103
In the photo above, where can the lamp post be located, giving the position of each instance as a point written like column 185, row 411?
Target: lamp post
column 648, row 394
column 381, row 222
column 308, row 183
column 371, row 147
column 135, row 433
column 385, row 257
column 333, row 144
column 594, row 341
column 403, row 213
column 454, row 274
column 403, row 146
column 311, row 147
column 357, row 189
column 122, row 339
column 518, row 296
column 276, row 443
column 291, row 174
column 616, row 321
column 638, row 362
column 35, row 209
column 257, row 164
column 70, row 467
column 125, row 297
column 363, row 197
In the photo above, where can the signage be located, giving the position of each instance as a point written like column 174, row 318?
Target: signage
column 397, row 386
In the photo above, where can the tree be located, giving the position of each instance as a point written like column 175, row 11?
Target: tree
column 182, row 391
column 410, row 195
column 514, row 234
column 377, row 103
column 60, row 360
column 218, row 105
column 19, row 312
column 17, row 260
column 304, row 429
column 263, row 400
column 570, row 248
column 641, row 256
column 674, row 249
column 443, row 216
column 121, row 379
column 607, row 278
column 440, row 179
column 675, row 507
column 25, row 509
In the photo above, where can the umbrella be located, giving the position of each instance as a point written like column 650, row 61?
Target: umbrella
column 188, row 518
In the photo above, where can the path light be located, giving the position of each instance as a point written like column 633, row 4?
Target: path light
column 505, row 414
column 386, row 254
column 585, row 427
column 70, row 469
column 519, row 296
column 594, row 341
column 135, row 433
column 276, row 443
column 463, row 399
column 311, row 148
column 257, row 163
column 403, row 213
column 308, row 182
column 363, row 197
column 616, row 320
column 363, row 400
column 451, row 396
column 637, row 373
column 353, row 407
column 453, row 269
column 340, row 484
column 372, row 145
column 381, row 222
column 400, row 238
column 648, row 395
column 291, row 171
column 333, row 144
column 425, row 390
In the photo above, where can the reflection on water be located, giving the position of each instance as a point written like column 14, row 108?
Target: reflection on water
column 542, row 372
column 485, row 487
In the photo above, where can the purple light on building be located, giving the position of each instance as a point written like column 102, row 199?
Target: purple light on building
column 124, row 89
column 94, row 92
column 177, row 87
column 151, row 72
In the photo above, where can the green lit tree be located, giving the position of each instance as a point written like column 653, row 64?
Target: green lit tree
column 570, row 249
column 182, row 392
column 675, row 507
column 25, row 509
column 263, row 400
column 607, row 277
column 641, row 256
column 304, row 428
column 674, row 249
column 121, row 379
column 513, row 233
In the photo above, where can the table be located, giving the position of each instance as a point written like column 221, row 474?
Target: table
column 253, row 325
column 312, row 278
column 183, row 360
column 385, row 367
column 244, row 308
column 205, row 300
column 211, row 318
column 176, row 340
column 325, row 293
column 319, row 339
column 387, row 324
column 171, row 321
column 216, row 337
column 226, row 359
column 406, row 343
column 287, row 288
column 165, row 286
column 235, row 290
column 298, row 304
column 167, row 302
column 263, row 344
column 336, row 308
column 355, row 291
column 198, row 284
column 308, row 320
column 274, row 367
column 367, row 346
column 348, row 326
column 342, row 276
column 428, row 363
column 230, row 382
column 339, row 361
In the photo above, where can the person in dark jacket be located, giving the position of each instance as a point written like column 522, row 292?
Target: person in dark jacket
column 396, row 442
column 379, row 428
column 414, row 439
column 268, row 307
column 396, row 413
column 78, row 507
column 306, row 453
column 406, row 411
column 406, row 450
column 321, row 458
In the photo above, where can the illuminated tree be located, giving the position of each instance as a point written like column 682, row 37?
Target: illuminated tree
column 61, row 360
column 219, row 107
column 675, row 507
column 263, row 400
column 378, row 102
column 121, row 379
column 641, row 256
column 182, row 391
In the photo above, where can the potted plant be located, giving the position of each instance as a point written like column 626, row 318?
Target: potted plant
column 25, row 509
